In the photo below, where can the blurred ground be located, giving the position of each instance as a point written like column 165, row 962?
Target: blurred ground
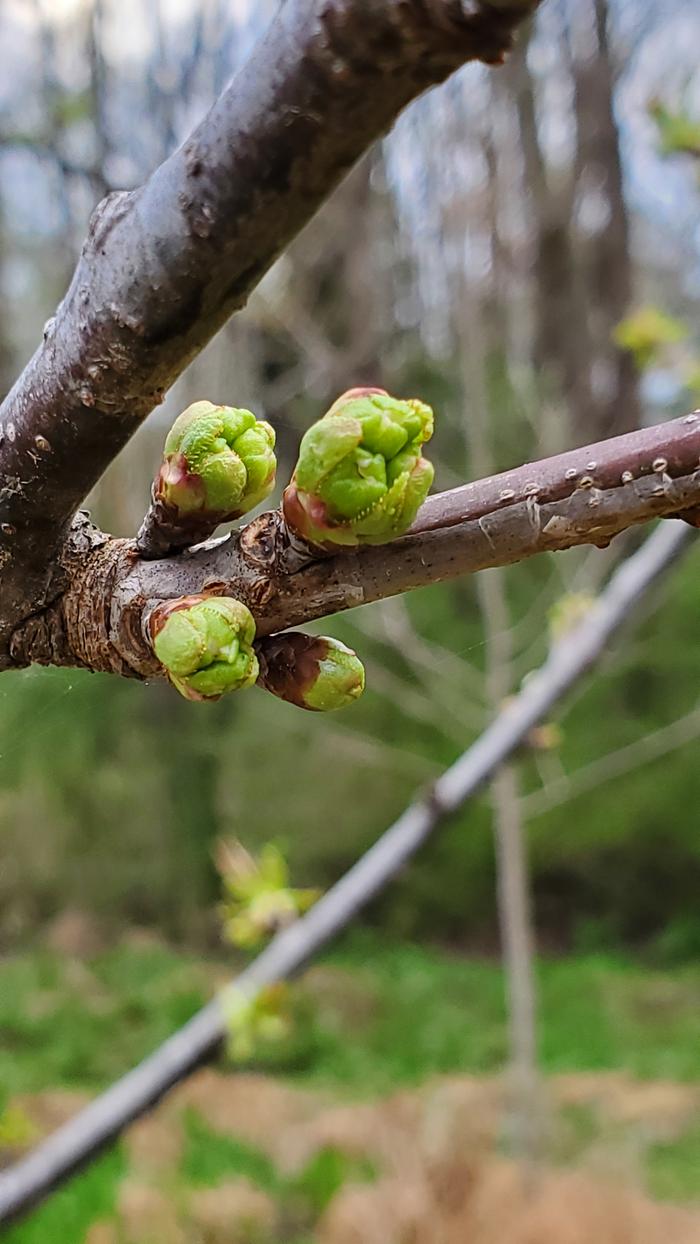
column 324, row 1146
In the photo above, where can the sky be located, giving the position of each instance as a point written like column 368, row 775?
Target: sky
column 658, row 41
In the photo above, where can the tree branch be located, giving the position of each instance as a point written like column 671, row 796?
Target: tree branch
column 29, row 1181
column 584, row 496
column 164, row 266
column 569, row 786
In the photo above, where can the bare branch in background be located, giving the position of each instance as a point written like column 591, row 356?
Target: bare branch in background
column 513, row 890
column 445, row 689
column 567, row 786
column 29, row 1181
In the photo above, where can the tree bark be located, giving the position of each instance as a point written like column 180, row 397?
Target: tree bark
column 164, row 266
column 562, row 347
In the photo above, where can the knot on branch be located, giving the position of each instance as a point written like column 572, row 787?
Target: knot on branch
column 76, row 628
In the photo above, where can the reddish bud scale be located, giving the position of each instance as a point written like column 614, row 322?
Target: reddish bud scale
column 162, row 612
column 289, row 665
column 296, row 516
column 176, row 473
column 310, row 671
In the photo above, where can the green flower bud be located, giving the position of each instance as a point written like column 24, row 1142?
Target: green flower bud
column 679, row 133
column 568, row 612
column 311, row 671
column 259, row 900
column 360, row 477
column 256, row 1021
column 647, row 333
column 205, row 644
column 218, row 462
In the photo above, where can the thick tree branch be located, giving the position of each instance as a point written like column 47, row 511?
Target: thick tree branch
column 581, row 497
column 164, row 266
column 30, row 1180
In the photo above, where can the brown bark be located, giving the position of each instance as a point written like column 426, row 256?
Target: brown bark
column 164, row 266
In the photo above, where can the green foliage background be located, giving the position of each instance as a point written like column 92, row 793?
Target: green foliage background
column 112, row 793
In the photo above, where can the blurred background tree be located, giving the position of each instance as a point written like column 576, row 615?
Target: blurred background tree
column 483, row 257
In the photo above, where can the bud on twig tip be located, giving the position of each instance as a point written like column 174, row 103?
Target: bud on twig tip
column 360, row 477
column 218, row 463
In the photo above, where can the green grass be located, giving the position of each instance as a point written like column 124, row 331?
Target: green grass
column 396, row 1014
column 380, row 1015
column 81, row 1025
column 210, row 1157
column 673, row 1169
column 66, row 1216
column 435, row 1013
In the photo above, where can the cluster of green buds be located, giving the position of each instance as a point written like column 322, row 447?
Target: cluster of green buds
column 647, row 333
column 547, row 737
column 259, row 900
column 254, row 1021
column 218, row 463
column 360, row 477
column 205, row 644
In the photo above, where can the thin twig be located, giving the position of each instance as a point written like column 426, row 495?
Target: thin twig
column 568, row 786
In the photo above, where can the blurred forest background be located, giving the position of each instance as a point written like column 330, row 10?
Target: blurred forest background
column 481, row 258
column 523, row 252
